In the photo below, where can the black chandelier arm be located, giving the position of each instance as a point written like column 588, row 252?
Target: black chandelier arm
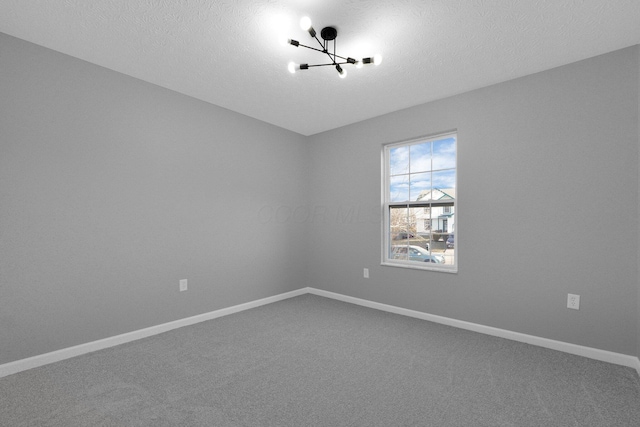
column 309, row 47
column 350, row 60
column 324, row 65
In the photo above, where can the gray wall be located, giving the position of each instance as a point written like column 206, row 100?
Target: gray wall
column 548, row 205
column 113, row 189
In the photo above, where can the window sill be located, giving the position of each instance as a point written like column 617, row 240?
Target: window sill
column 418, row 266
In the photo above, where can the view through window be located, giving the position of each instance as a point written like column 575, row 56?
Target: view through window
column 420, row 203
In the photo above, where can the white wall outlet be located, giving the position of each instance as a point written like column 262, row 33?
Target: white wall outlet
column 573, row 301
column 365, row 273
column 183, row 285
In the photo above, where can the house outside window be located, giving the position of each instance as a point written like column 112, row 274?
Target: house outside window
column 419, row 203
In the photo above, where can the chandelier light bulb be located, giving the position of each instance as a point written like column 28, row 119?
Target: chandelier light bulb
column 292, row 67
column 343, row 74
column 377, row 59
column 305, row 23
column 359, row 64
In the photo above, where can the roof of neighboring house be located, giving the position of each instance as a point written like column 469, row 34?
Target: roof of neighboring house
column 440, row 194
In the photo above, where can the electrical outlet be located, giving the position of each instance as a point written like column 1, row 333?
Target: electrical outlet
column 365, row 273
column 183, row 285
column 573, row 301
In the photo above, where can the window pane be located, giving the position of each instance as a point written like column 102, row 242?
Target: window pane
column 420, row 157
column 423, row 221
column 408, row 240
column 399, row 160
column 444, row 180
column 402, row 224
column 444, row 154
column 400, row 232
column 420, row 183
column 449, row 256
column 399, row 188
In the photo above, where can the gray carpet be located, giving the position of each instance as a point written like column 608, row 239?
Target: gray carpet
column 312, row 361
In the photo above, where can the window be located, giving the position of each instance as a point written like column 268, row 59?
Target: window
column 420, row 181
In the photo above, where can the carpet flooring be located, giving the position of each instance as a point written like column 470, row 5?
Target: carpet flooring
column 313, row 361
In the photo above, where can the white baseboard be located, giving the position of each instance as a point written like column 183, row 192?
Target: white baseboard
column 589, row 352
column 67, row 353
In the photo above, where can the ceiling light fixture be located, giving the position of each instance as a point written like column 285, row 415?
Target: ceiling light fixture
column 328, row 34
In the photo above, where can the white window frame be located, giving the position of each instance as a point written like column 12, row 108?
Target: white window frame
column 387, row 205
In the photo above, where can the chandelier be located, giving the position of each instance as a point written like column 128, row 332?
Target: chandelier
column 328, row 34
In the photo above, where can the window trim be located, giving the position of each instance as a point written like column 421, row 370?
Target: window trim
column 387, row 205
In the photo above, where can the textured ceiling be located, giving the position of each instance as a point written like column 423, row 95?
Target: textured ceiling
column 228, row 52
